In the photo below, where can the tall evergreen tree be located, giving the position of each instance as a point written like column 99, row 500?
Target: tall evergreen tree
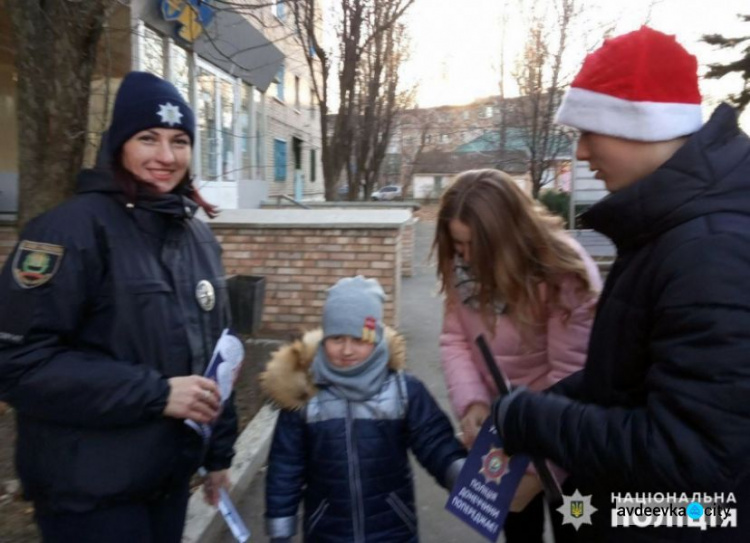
column 740, row 65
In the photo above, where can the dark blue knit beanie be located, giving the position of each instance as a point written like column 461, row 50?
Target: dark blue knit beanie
column 147, row 101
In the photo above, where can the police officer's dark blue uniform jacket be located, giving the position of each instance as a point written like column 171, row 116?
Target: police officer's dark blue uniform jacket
column 664, row 399
column 347, row 460
column 102, row 302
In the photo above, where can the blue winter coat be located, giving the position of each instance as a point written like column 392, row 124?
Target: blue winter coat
column 85, row 356
column 348, row 461
column 663, row 403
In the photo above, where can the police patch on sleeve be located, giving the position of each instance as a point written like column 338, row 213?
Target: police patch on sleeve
column 36, row 263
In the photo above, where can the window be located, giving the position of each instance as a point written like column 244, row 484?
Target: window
column 277, row 7
column 280, row 83
column 313, row 103
column 394, row 146
column 260, row 143
column 215, row 116
column 153, row 52
column 296, row 91
column 180, row 71
column 227, row 131
column 207, row 124
column 445, row 138
column 243, row 120
column 313, row 166
column 488, row 112
column 279, row 160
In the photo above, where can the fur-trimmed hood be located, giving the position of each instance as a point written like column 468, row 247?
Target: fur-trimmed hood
column 288, row 376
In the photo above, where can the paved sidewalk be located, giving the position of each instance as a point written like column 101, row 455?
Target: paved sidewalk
column 421, row 317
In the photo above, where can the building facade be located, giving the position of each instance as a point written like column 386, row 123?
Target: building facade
column 257, row 131
column 430, row 146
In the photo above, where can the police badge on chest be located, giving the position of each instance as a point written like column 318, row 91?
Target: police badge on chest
column 205, row 294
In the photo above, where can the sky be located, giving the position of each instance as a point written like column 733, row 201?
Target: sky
column 455, row 44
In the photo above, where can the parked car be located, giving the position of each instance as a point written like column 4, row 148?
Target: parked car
column 388, row 192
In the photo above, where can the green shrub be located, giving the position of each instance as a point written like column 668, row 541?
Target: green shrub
column 557, row 202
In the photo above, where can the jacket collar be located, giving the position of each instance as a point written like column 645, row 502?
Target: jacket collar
column 175, row 204
column 695, row 181
column 288, row 379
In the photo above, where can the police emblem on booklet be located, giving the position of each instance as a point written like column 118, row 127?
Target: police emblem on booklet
column 494, row 465
column 36, row 263
column 204, row 293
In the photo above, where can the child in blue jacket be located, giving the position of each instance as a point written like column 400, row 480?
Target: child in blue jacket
column 349, row 416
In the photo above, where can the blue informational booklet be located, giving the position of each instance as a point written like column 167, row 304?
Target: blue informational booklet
column 487, row 483
column 223, row 368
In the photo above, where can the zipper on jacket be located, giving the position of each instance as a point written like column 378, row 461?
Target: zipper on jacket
column 355, row 488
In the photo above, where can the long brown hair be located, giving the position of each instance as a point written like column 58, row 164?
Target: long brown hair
column 516, row 247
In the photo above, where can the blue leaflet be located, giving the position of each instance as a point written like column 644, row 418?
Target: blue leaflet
column 487, row 483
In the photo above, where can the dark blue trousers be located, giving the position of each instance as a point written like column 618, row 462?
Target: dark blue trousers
column 156, row 521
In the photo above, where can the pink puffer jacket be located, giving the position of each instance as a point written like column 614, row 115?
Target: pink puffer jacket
column 556, row 351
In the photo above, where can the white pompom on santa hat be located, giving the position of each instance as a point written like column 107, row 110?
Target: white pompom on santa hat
column 639, row 86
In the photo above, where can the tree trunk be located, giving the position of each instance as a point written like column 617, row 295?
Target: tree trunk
column 55, row 56
column 356, row 27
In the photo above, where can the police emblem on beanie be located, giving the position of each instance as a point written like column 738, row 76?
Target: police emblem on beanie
column 354, row 307
column 146, row 101
column 640, row 86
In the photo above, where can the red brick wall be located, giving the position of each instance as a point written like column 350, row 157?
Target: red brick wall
column 8, row 236
column 407, row 248
column 299, row 264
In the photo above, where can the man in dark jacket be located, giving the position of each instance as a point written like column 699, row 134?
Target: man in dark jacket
column 661, row 411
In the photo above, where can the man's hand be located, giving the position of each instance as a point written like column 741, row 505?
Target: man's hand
column 215, row 481
column 472, row 422
column 193, row 397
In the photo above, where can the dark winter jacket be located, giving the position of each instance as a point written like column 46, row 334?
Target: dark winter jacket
column 85, row 355
column 663, row 404
column 346, row 460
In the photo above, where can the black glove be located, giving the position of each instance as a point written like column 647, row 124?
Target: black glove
column 500, row 409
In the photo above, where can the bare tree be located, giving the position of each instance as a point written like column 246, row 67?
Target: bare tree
column 354, row 38
column 740, row 65
column 381, row 101
column 538, row 74
column 502, row 124
column 412, row 127
column 55, row 52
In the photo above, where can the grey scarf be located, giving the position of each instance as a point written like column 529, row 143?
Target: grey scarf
column 467, row 287
column 357, row 383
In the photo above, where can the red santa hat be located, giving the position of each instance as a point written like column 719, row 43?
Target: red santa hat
column 639, row 86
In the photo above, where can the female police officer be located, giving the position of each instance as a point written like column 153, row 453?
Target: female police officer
column 111, row 305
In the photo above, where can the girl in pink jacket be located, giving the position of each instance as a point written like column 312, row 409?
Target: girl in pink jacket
column 509, row 272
